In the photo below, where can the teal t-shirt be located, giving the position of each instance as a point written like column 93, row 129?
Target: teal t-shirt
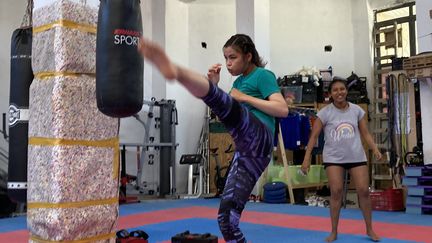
column 260, row 83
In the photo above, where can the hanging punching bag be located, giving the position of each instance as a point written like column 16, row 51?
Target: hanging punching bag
column 21, row 77
column 119, row 67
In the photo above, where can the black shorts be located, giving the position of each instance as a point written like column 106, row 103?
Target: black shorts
column 346, row 166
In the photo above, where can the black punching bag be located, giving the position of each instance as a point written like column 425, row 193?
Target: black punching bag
column 21, row 77
column 119, row 66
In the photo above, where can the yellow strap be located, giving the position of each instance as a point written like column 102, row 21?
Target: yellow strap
column 90, row 239
column 112, row 142
column 41, row 141
column 66, row 23
column 116, row 166
column 46, row 75
column 37, row 205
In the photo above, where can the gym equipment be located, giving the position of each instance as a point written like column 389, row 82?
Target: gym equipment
column 187, row 237
column 166, row 147
column 191, row 160
column 124, row 179
column 3, row 131
column 21, row 78
column 275, row 192
column 168, row 117
column 415, row 157
column 357, row 91
column 219, row 179
column 203, row 150
column 136, row 236
column 119, row 66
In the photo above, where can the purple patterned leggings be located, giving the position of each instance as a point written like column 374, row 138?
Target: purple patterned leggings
column 254, row 144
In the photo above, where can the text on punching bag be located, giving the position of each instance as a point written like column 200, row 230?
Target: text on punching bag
column 128, row 37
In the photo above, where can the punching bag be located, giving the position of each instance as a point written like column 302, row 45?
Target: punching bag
column 119, row 66
column 21, row 77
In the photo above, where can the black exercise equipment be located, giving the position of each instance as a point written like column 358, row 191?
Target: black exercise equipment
column 191, row 160
column 187, row 237
column 146, row 151
column 21, row 76
column 136, row 236
column 124, row 180
column 168, row 118
column 5, row 135
column 119, row 66
column 220, row 180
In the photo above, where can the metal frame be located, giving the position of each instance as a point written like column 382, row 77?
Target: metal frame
column 379, row 118
column 147, row 143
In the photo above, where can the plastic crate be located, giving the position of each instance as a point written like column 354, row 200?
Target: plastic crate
column 293, row 91
column 277, row 173
column 387, row 200
column 323, row 175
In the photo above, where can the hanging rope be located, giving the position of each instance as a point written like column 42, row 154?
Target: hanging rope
column 403, row 96
column 390, row 83
column 403, row 114
column 27, row 20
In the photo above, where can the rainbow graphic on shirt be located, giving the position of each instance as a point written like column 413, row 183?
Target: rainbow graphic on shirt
column 343, row 131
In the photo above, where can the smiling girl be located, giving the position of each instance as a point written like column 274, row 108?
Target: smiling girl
column 343, row 124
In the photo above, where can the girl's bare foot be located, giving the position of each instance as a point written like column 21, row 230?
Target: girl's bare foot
column 373, row 235
column 156, row 55
column 332, row 237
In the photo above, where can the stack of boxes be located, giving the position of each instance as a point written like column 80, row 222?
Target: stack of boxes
column 419, row 183
column 73, row 148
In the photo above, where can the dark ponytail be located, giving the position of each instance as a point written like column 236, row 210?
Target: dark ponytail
column 244, row 44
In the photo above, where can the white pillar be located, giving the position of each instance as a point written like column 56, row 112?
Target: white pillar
column 245, row 16
column 362, row 22
column 153, row 15
column 253, row 19
column 262, row 29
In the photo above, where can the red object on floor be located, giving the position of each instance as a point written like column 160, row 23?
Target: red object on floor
column 128, row 199
column 387, row 200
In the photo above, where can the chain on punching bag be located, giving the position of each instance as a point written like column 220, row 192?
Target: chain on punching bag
column 119, row 67
column 21, row 77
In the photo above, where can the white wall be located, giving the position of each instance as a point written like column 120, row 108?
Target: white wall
column 262, row 30
column 177, row 46
column 424, row 29
column 424, row 25
column 362, row 24
column 131, row 131
column 184, row 37
column 300, row 30
column 213, row 22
